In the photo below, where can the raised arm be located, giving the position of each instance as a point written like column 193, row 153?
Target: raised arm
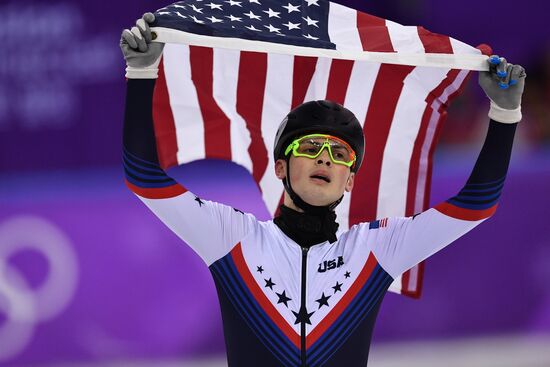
column 401, row 243
column 211, row 229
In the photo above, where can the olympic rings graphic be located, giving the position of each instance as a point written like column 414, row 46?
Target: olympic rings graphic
column 24, row 307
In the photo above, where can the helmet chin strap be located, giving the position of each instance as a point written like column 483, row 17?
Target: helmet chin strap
column 300, row 203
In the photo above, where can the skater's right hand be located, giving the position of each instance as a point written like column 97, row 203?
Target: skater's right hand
column 142, row 55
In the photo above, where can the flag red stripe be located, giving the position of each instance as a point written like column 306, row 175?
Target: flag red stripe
column 442, row 117
column 163, row 119
column 485, row 49
column 414, row 288
column 217, row 131
column 338, row 80
column 405, row 279
column 304, row 68
column 373, row 33
column 250, row 99
column 420, row 139
column 434, row 43
column 385, row 95
column 281, row 201
column 414, row 167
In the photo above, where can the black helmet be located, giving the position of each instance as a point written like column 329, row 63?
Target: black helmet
column 321, row 117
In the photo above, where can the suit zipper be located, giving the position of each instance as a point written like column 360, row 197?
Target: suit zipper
column 303, row 309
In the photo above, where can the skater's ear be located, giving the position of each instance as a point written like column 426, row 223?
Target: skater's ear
column 280, row 168
column 350, row 182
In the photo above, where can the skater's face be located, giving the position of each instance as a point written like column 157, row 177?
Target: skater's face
column 317, row 181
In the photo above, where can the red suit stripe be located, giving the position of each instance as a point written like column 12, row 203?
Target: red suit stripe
column 261, row 298
column 337, row 310
column 157, row 193
column 465, row 214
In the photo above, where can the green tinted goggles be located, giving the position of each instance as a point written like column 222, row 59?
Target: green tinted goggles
column 311, row 146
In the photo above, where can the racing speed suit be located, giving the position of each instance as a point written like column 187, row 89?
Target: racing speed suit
column 287, row 304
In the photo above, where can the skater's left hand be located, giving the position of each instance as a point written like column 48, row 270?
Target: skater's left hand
column 503, row 84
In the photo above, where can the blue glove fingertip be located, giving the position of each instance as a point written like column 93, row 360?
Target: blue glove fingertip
column 495, row 60
column 501, row 74
column 513, row 82
column 503, row 85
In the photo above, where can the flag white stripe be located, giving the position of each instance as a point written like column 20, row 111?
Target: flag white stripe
column 319, row 81
column 394, row 175
column 396, row 286
column 225, row 82
column 277, row 104
column 185, row 103
column 423, row 161
column 413, row 279
column 463, row 48
column 428, row 141
column 405, row 39
column 468, row 61
column 342, row 28
column 357, row 100
column 278, row 100
column 361, row 84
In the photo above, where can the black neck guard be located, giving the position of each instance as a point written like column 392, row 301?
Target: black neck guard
column 315, row 225
column 307, row 229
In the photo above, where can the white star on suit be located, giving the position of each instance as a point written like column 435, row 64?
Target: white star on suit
column 311, row 37
column 180, row 15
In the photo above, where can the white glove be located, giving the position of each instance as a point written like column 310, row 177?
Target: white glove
column 141, row 54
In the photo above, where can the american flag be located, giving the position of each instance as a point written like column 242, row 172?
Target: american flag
column 231, row 70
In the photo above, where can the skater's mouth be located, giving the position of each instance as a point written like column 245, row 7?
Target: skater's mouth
column 320, row 176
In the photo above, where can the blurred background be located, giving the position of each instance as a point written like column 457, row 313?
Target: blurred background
column 106, row 284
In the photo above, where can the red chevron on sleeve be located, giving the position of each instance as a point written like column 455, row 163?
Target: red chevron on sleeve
column 465, row 214
column 157, row 193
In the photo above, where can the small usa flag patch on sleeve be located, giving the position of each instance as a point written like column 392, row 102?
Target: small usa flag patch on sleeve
column 381, row 223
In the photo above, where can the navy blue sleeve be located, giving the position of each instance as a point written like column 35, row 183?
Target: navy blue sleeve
column 144, row 175
column 479, row 197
